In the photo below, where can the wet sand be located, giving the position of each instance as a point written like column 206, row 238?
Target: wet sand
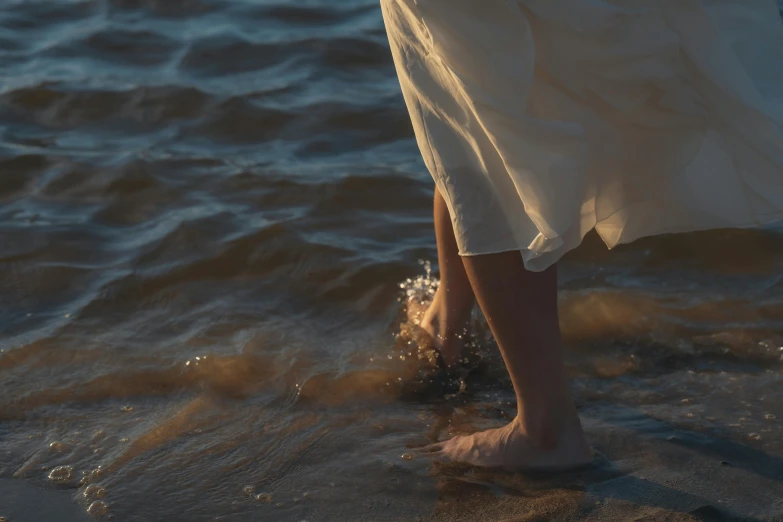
column 644, row 470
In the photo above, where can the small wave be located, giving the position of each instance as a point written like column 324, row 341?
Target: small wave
column 334, row 128
column 391, row 193
column 224, row 376
column 233, row 54
column 273, row 255
column 30, row 17
column 119, row 47
column 19, row 172
column 239, row 120
column 167, row 9
column 58, row 106
column 345, row 53
column 310, row 15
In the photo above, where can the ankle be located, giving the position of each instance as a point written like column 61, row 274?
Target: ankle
column 542, row 435
column 446, row 326
column 451, row 302
column 447, row 321
column 546, row 429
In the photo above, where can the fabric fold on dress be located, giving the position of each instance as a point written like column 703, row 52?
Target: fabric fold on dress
column 540, row 120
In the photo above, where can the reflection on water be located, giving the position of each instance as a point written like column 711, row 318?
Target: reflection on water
column 208, row 210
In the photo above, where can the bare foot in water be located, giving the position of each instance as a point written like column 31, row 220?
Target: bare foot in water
column 511, row 448
column 447, row 327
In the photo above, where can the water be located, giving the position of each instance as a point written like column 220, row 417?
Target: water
column 208, row 211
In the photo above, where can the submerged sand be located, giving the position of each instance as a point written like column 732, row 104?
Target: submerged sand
column 644, row 469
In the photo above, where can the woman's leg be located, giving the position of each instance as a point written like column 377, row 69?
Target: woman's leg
column 448, row 316
column 521, row 309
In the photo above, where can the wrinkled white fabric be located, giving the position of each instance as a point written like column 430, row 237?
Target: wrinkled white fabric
column 540, row 120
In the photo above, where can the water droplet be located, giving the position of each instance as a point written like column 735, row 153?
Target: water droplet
column 124, row 439
column 98, row 508
column 67, row 316
column 248, row 490
column 770, row 417
column 56, row 446
column 61, row 474
column 94, row 491
column 127, row 408
column 97, row 472
column 407, row 456
column 754, row 436
column 264, row 497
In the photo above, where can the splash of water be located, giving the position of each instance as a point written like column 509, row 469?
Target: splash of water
column 422, row 288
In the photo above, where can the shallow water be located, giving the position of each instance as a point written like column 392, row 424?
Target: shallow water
column 211, row 212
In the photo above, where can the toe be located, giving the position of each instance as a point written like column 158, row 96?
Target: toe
column 432, row 448
column 434, row 455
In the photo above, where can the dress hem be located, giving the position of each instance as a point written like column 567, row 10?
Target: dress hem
column 767, row 220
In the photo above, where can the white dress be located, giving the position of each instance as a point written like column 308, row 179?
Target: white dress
column 542, row 119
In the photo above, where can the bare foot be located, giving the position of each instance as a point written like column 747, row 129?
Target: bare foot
column 511, row 448
column 447, row 327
